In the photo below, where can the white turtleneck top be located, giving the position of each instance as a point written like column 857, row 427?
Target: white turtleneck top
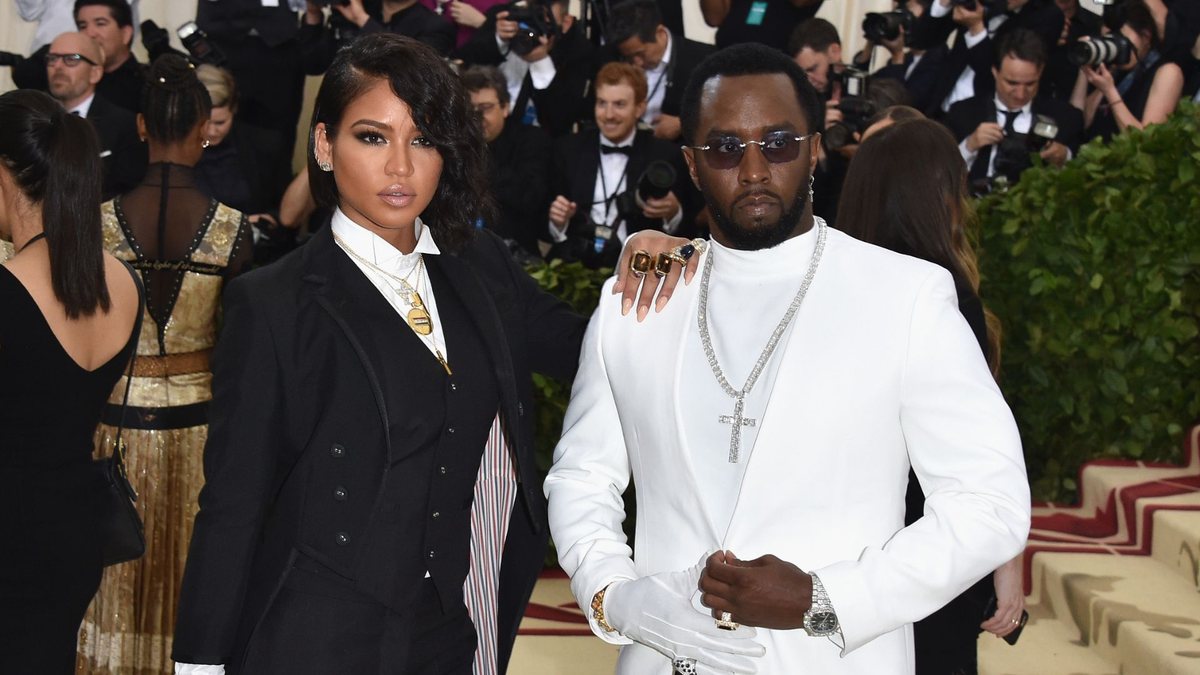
column 749, row 293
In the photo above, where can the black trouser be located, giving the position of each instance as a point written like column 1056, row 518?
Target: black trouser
column 319, row 624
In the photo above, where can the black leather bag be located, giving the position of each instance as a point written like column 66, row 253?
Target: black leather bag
column 124, row 535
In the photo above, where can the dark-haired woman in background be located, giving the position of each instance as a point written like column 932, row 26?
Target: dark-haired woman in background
column 1149, row 86
column 185, row 245
column 69, row 315
column 921, row 209
column 372, row 502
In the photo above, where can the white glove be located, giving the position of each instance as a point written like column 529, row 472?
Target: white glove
column 657, row 611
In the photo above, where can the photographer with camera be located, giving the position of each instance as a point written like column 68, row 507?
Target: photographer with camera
column 981, row 25
column 544, row 56
column 320, row 39
column 1150, row 86
column 638, row 35
column 915, row 55
column 609, row 184
column 998, row 131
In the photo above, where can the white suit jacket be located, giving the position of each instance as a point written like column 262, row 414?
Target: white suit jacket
column 880, row 371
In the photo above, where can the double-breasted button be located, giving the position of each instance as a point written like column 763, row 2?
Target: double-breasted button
column 520, row 409
column 453, row 387
column 432, row 553
column 339, row 493
column 442, row 470
column 450, row 429
column 337, row 450
column 342, row 538
column 437, row 514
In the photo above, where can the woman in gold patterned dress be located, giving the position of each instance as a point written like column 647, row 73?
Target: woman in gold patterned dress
column 186, row 246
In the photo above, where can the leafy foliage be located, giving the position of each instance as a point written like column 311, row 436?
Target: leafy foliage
column 579, row 287
column 1094, row 271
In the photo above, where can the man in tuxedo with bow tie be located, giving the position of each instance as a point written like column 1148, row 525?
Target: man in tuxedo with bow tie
column 594, row 176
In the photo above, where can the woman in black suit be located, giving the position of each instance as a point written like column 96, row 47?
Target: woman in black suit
column 68, row 330
column 370, row 471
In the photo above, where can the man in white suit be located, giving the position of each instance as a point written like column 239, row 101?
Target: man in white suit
column 768, row 417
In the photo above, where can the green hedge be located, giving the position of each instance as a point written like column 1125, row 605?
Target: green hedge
column 1094, row 271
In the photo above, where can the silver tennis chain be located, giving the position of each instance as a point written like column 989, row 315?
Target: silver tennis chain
column 738, row 419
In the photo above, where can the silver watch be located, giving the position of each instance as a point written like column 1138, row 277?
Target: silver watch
column 820, row 620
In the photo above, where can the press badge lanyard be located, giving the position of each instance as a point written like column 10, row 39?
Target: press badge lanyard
column 603, row 230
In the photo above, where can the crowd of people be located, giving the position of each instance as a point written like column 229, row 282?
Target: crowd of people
column 351, row 453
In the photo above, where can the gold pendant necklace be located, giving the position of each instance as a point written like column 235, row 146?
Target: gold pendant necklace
column 418, row 317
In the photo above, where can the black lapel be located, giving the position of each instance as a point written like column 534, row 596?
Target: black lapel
column 329, row 272
column 587, row 170
column 483, row 312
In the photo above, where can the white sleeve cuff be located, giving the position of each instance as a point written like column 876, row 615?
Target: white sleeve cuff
column 967, row 155
column 937, row 10
column 501, row 44
column 195, row 669
column 557, row 236
column 972, row 40
column 671, row 224
column 542, row 72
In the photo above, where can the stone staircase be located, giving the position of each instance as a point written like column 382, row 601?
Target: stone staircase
column 1113, row 583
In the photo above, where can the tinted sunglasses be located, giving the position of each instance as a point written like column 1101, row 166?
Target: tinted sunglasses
column 69, row 60
column 726, row 152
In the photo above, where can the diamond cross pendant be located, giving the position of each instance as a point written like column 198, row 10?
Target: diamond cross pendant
column 735, row 436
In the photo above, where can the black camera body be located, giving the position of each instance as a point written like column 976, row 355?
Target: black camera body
column 656, row 181
column 534, row 21
column 856, row 110
column 1111, row 50
column 880, row 26
column 1014, row 150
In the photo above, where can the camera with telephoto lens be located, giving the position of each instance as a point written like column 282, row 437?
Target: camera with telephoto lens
column 10, row 59
column 656, row 181
column 856, row 110
column 534, row 21
column 1013, row 152
column 1111, row 50
column 881, row 26
column 989, row 6
column 199, row 46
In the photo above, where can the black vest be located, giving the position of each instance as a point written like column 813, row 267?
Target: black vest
column 423, row 518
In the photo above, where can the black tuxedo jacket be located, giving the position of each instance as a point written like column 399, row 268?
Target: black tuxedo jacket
column 519, row 164
column 574, row 170
column 296, row 385
column 123, row 154
column 235, row 19
column 923, row 79
column 685, row 56
column 966, row 116
column 562, row 104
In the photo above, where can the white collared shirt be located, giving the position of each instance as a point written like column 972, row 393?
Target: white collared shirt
column 84, row 106
column 370, row 246
column 656, row 80
column 1021, row 125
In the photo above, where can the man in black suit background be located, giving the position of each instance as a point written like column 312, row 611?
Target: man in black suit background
column 320, row 40
column 593, row 175
column 981, row 24
column 914, row 57
column 518, row 159
column 258, row 40
column 549, row 83
column 981, row 123
column 639, row 36
column 73, row 69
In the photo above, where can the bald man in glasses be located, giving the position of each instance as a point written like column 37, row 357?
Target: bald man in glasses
column 74, row 66
column 769, row 417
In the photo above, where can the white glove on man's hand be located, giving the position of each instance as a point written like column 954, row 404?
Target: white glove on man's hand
column 657, row 611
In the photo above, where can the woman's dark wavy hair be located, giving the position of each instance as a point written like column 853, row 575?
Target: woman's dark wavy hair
column 174, row 100
column 906, row 191
column 54, row 158
column 441, row 110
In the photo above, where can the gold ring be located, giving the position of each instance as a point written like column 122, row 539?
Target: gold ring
column 640, row 263
column 662, row 264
